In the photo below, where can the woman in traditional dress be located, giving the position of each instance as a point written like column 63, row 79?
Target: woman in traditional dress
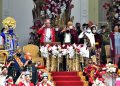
column 45, row 81
column 105, row 46
column 115, row 44
column 26, row 81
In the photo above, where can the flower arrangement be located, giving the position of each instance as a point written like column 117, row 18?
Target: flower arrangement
column 51, row 8
column 60, row 50
column 94, row 74
column 113, row 11
column 98, row 82
column 110, row 68
column 9, row 22
column 72, row 53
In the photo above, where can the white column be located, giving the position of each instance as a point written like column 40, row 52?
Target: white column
column 76, row 11
column 80, row 11
column 84, row 11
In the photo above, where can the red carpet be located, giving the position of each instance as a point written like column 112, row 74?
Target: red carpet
column 66, row 79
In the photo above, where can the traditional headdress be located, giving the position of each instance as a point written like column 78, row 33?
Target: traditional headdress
column 44, row 75
column 93, row 26
column 9, row 22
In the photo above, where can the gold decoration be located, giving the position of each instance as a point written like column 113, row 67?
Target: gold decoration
column 86, row 83
column 53, row 63
column 48, row 63
column 70, row 65
column 19, row 61
column 3, row 55
column 74, row 64
column 9, row 22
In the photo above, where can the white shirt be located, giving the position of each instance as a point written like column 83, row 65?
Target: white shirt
column 2, row 80
column 91, row 37
column 48, row 35
column 67, row 38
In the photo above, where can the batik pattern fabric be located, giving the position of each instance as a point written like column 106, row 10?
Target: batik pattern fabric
column 10, row 42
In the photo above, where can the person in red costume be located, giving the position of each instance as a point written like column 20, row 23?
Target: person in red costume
column 46, row 32
column 26, row 82
column 45, row 81
column 10, row 82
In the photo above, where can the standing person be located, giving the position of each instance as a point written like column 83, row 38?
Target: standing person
column 10, row 38
column 46, row 32
column 3, row 76
column 98, row 38
column 88, row 36
column 69, row 34
column 105, row 47
column 78, row 28
column 57, row 30
column 115, row 44
column 1, row 40
column 79, row 31
column 98, row 42
column 10, row 82
column 82, row 36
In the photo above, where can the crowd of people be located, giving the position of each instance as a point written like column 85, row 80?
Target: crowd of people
column 29, row 75
column 102, row 43
column 89, row 34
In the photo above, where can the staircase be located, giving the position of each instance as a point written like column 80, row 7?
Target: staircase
column 67, row 79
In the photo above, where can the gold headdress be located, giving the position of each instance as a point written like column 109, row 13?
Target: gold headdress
column 9, row 22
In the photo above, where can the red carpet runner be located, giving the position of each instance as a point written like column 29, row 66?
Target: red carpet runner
column 66, row 79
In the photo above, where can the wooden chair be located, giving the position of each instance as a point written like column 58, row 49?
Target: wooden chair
column 3, row 56
column 34, row 52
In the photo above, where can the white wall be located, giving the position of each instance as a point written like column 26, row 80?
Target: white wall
column 80, row 11
column 21, row 10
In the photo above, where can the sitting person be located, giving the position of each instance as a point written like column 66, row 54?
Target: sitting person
column 30, row 67
column 39, row 67
column 26, row 81
column 21, row 78
column 3, row 76
column 44, row 81
column 10, row 82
